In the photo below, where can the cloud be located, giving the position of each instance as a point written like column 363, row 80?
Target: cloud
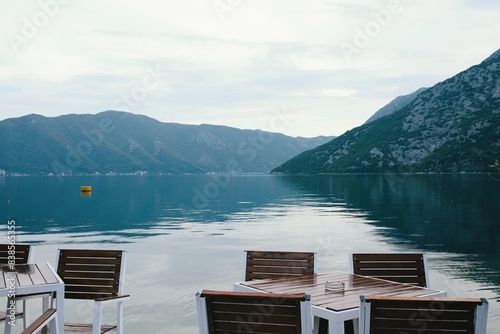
column 327, row 92
column 238, row 68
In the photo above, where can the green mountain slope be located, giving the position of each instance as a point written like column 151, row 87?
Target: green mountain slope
column 451, row 127
column 398, row 103
column 118, row 142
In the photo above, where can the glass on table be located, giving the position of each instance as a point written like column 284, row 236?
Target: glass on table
column 336, row 286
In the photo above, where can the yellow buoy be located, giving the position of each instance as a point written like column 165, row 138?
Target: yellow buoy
column 86, row 189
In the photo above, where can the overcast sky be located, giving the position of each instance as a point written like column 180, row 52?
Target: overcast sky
column 299, row 67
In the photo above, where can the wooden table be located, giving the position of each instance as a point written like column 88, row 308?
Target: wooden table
column 336, row 306
column 28, row 279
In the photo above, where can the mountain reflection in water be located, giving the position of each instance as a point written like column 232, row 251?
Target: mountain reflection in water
column 184, row 233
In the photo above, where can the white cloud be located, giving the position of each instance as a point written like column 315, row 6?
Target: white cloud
column 237, row 68
column 336, row 92
column 327, row 92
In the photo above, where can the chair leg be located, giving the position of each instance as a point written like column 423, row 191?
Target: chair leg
column 355, row 323
column 8, row 320
column 119, row 318
column 26, row 318
column 350, row 327
column 96, row 327
column 53, row 326
column 322, row 326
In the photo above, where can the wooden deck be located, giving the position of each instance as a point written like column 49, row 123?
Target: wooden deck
column 71, row 327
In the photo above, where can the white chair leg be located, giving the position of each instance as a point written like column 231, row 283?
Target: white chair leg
column 119, row 318
column 8, row 320
column 315, row 325
column 356, row 325
column 96, row 328
column 26, row 319
column 54, row 325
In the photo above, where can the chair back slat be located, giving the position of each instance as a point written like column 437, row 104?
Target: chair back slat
column 22, row 253
column 248, row 312
column 276, row 264
column 91, row 274
column 388, row 315
column 407, row 268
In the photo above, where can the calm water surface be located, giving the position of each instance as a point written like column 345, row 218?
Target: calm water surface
column 185, row 233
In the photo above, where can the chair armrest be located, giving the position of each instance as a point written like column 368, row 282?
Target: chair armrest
column 111, row 298
column 40, row 322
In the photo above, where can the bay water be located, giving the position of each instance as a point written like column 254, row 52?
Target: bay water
column 184, row 233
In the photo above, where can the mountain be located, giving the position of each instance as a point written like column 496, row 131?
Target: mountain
column 453, row 126
column 398, row 103
column 119, row 142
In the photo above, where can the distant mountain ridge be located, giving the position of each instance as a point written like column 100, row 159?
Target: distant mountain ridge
column 119, row 142
column 453, row 126
column 398, row 103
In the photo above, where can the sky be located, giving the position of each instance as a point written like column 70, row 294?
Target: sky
column 299, row 67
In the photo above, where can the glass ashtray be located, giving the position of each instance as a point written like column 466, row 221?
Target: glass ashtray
column 334, row 286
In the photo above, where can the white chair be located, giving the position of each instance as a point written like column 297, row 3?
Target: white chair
column 410, row 268
column 253, row 312
column 97, row 275
column 387, row 315
column 23, row 254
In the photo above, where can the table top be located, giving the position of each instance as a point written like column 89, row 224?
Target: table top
column 28, row 275
column 348, row 298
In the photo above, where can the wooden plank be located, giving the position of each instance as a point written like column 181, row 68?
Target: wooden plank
column 90, row 289
column 23, row 274
column 87, row 274
column 387, row 256
column 77, row 261
column 35, row 326
column 281, row 255
column 84, row 253
column 10, row 276
column 84, row 281
column 47, row 273
column 478, row 301
column 35, row 275
column 279, row 263
column 71, row 327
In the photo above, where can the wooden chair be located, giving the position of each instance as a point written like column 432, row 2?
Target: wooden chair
column 97, row 275
column 23, row 254
column 253, row 312
column 389, row 315
column 276, row 264
column 410, row 268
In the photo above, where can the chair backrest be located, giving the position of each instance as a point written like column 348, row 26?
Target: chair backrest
column 388, row 315
column 253, row 312
column 91, row 273
column 23, row 254
column 410, row 268
column 276, row 264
